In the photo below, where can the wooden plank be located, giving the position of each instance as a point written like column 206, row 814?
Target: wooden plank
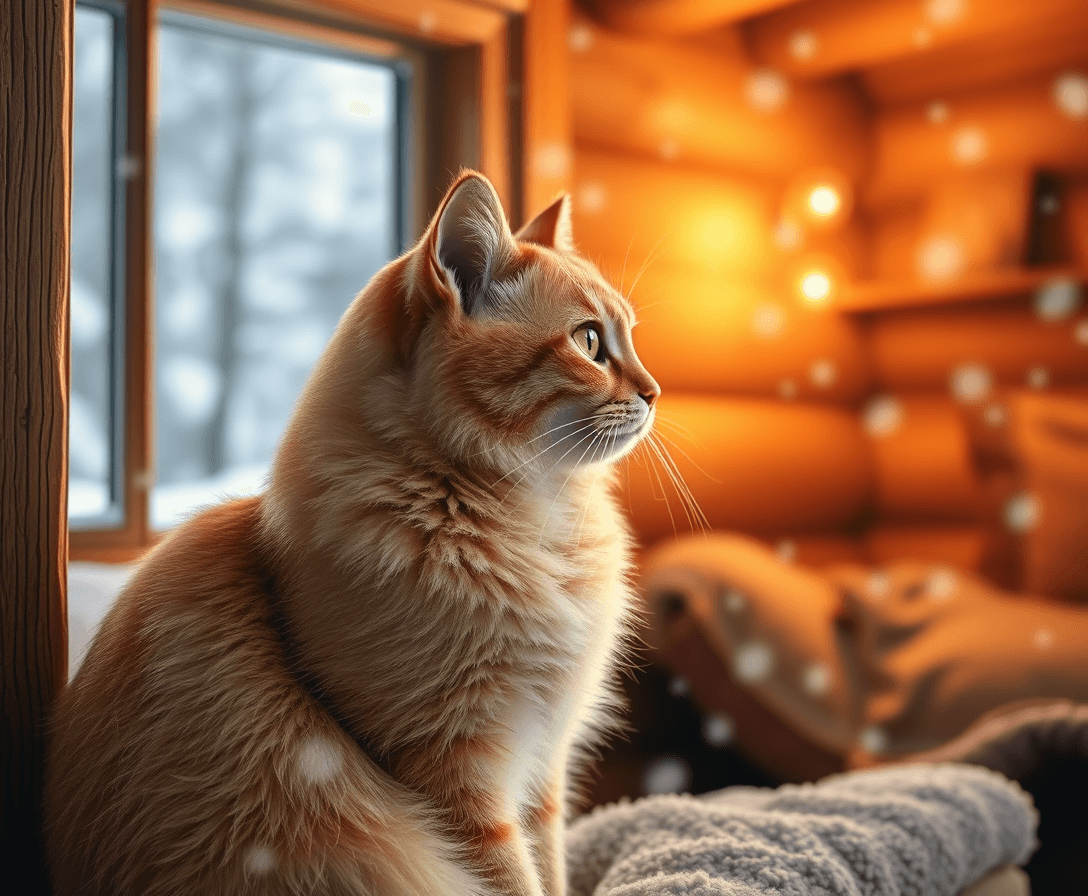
column 662, row 17
column 981, row 287
column 1053, row 46
column 293, row 27
column 1019, row 127
column 818, row 38
column 546, row 128
column 135, row 535
column 35, row 154
column 452, row 22
column 679, row 102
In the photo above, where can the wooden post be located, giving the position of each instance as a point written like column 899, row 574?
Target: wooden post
column 35, row 154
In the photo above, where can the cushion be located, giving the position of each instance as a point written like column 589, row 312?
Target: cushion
column 1030, row 450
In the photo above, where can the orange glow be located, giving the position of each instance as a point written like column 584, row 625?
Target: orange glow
column 820, row 198
column 824, row 200
column 816, row 287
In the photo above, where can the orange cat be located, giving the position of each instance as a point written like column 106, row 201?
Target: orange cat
column 375, row 678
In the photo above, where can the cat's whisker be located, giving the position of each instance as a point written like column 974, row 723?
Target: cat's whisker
column 684, row 505
column 545, row 450
column 534, row 438
column 649, row 259
column 652, row 467
column 688, row 457
column 562, row 488
column 681, row 486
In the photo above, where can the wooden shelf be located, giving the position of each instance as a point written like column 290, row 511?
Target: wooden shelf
column 981, row 287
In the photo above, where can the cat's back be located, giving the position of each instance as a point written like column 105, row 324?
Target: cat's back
column 187, row 757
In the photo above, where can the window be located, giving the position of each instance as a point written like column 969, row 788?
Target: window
column 276, row 199
column 288, row 159
column 97, row 243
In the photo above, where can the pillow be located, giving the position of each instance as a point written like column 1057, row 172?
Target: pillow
column 1030, row 451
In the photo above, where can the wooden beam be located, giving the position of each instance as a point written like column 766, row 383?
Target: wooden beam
column 453, row 22
column 999, row 60
column 35, row 155
column 547, row 137
column 818, row 38
column 1022, row 127
column 665, row 17
column 678, row 102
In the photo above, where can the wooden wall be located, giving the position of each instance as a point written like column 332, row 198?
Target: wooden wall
column 692, row 155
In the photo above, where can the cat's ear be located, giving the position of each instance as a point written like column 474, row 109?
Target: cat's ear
column 471, row 239
column 551, row 228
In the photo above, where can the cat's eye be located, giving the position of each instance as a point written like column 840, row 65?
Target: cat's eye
column 588, row 339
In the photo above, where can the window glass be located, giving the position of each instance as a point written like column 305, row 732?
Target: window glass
column 276, row 199
column 92, row 492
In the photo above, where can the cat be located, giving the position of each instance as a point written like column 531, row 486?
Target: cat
column 381, row 675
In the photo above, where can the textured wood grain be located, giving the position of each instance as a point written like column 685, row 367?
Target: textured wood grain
column 35, row 104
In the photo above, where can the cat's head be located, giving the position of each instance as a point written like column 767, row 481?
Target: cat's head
column 515, row 347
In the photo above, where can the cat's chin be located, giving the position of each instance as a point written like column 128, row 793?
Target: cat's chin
column 620, row 442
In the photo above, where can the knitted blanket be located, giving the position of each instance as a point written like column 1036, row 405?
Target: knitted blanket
column 929, row 830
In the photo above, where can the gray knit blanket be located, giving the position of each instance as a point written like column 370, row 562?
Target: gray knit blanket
column 929, row 830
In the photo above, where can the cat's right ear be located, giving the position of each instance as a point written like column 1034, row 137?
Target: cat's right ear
column 470, row 240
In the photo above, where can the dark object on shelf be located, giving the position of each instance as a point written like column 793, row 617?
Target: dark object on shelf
column 1048, row 234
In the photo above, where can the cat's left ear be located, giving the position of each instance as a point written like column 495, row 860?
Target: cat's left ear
column 551, row 228
column 471, row 239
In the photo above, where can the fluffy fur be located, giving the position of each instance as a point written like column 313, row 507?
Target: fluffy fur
column 375, row 678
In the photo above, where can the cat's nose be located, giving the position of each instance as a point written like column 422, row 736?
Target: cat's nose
column 648, row 391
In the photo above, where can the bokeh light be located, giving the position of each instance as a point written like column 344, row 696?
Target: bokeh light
column 1057, row 299
column 1022, row 512
column 822, row 374
column 804, row 44
column 753, row 662
column 971, row 383
column 1071, row 95
column 766, row 90
column 816, row 287
column 940, row 258
column 883, row 416
column 970, row 145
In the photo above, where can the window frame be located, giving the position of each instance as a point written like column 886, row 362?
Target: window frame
column 466, row 109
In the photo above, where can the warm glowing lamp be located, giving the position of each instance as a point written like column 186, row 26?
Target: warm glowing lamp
column 824, row 200
column 816, row 287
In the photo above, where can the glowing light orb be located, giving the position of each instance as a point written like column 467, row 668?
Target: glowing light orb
column 788, row 235
column 938, row 113
column 1043, row 639
column 941, row 584
column 824, row 200
column 669, row 774
column 816, row 679
column 1071, row 95
column 428, row 21
column 552, row 160
column 1038, row 378
column 768, row 321
column 878, row 584
column 883, row 416
column 579, row 38
column 822, row 374
column 753, row 662
column 591, row 197
column 969, row 145
column 766, row 90
column 787, row 389
column 319, row 759
column 785, row 551
column 940, row 258
column 718, row 729
column 679, row 686
column 995, row 415
column 1057, row 299
column 971, row 383
column 1022, row 512
column 260, row 859
column 945, row 12
column 873, row 739
column 803, row 44
column 816, row 287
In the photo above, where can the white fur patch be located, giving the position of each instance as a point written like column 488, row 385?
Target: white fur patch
column 260, row 859
column 319, row 760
